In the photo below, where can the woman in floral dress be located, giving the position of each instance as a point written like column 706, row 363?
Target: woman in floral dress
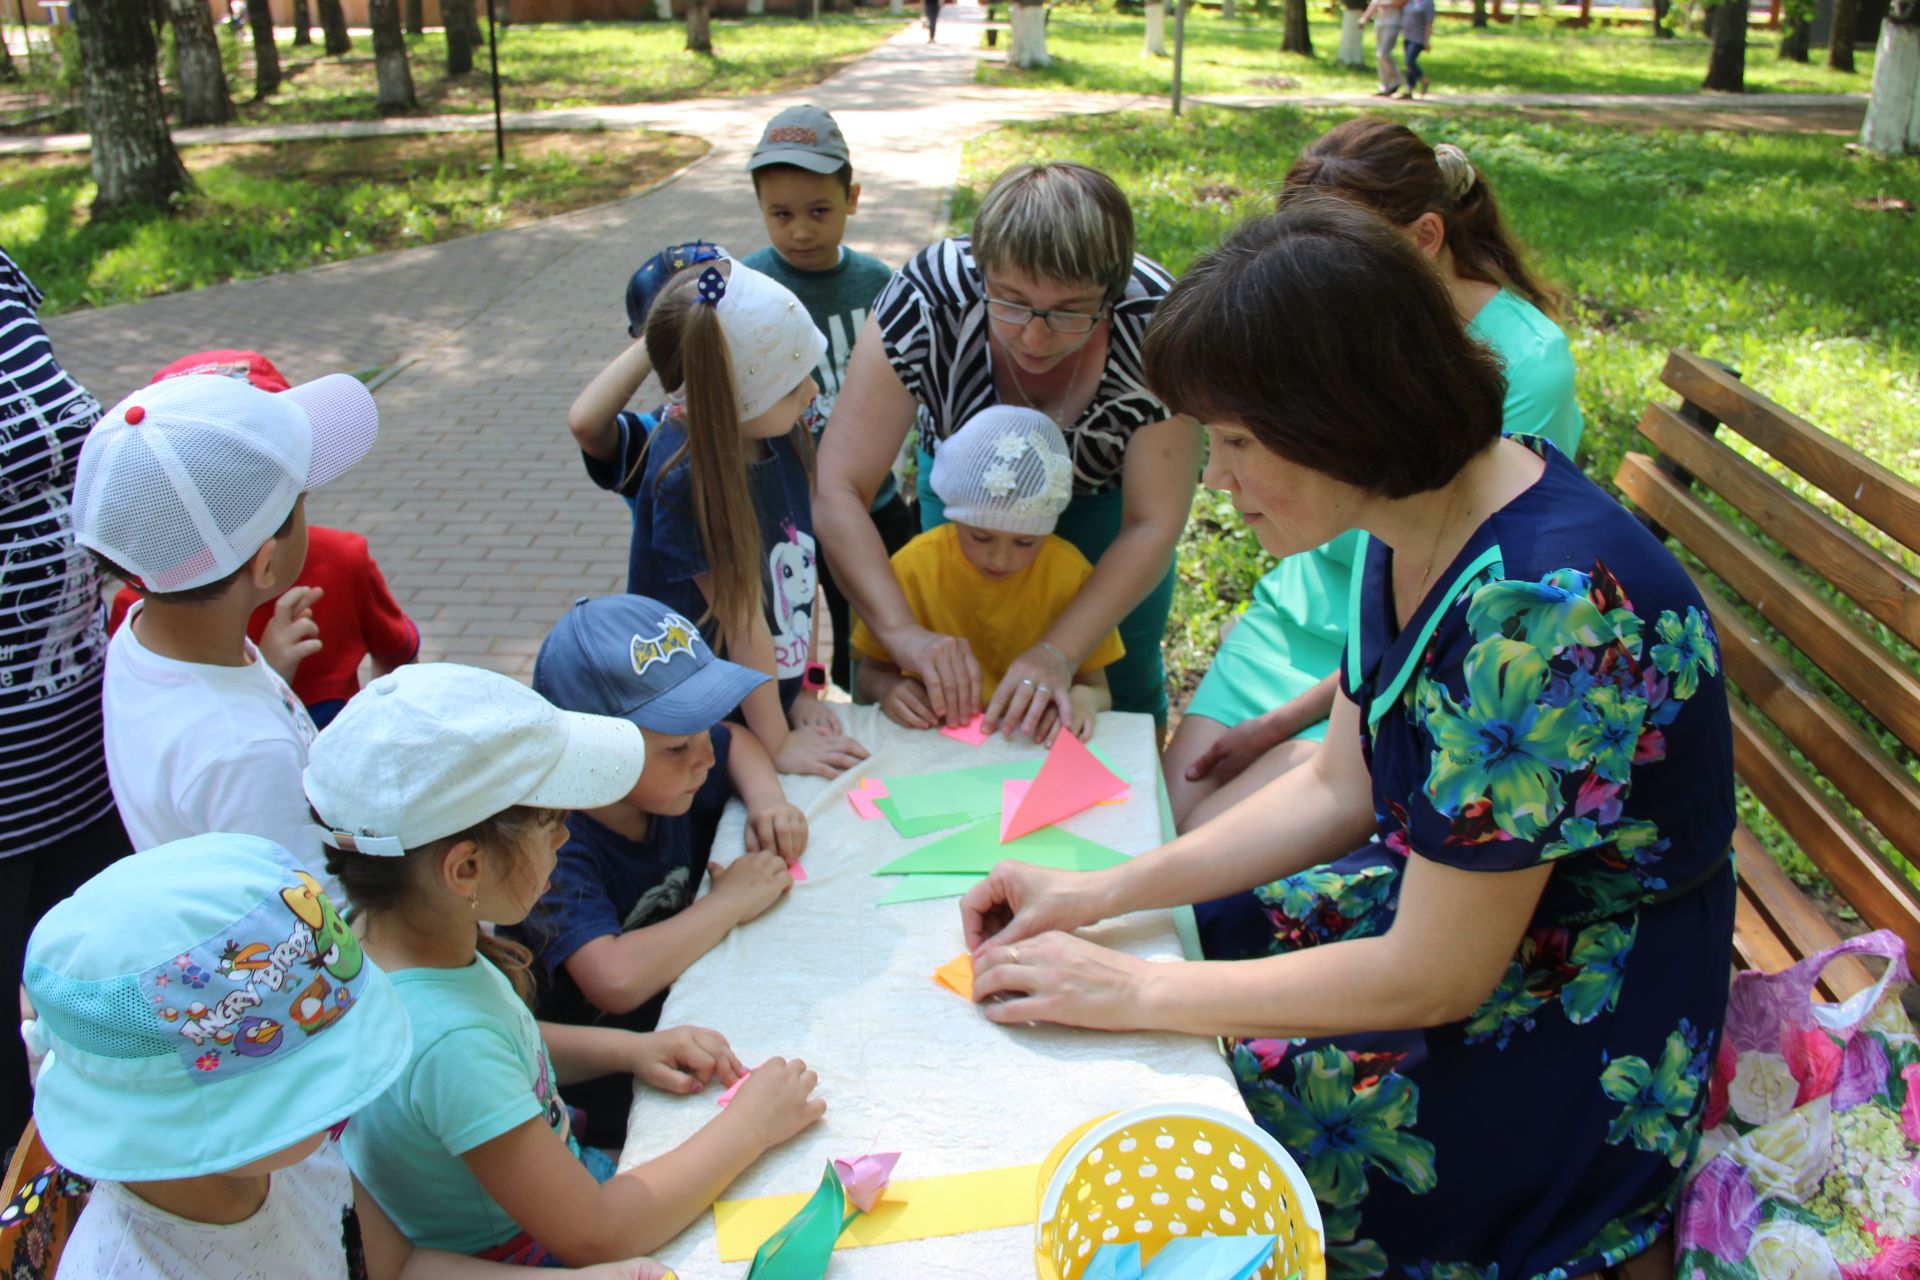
column 1486, row 1033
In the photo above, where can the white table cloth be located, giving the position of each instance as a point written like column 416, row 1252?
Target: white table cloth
column 904, row 1064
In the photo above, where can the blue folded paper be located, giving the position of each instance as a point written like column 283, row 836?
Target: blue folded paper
column 1184, row 1258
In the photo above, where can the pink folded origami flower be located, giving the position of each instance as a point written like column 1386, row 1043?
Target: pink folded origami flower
column 866, row 1178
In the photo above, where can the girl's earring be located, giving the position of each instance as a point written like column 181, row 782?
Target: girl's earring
column 474, row 902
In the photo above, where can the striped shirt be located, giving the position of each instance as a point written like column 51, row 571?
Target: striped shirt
column 933, row 330
column 53, row 770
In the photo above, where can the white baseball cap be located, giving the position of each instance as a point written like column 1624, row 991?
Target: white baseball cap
column 181, row 482
column 436, row 748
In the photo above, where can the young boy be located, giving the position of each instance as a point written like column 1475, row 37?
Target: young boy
column 194, row 489
column 619, row 922
column 996, row 574
column 339, row 610
column 212, row 1027
column 803, row 179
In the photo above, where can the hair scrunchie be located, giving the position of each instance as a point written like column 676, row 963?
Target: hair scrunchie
column 1455, row 170
column 710, row 287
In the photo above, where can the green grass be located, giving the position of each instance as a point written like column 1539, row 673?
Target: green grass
column 1101, row 52
column 1747, row 248
column 270, row 208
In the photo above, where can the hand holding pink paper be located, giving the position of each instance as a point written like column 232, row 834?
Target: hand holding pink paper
column 732, row 1089
column 972, row 733
column 865, row 1180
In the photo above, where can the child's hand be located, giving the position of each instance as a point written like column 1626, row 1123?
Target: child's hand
column 811, row 750
column 751, row 883
column 777, row 1100
column 780, row 828
column 683, row 1059
column 810, row 712
column 291, row 633
column 1086, row 711
column 631, row 1269
column 908, row 705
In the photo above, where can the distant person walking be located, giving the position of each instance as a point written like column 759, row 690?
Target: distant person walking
column 933, row 18
column 1416, row 29
column 1387, row 17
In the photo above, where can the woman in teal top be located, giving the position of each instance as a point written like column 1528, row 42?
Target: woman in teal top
column 1265, row 699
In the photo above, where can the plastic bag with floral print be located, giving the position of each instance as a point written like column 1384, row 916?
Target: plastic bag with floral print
column 1809, row 1166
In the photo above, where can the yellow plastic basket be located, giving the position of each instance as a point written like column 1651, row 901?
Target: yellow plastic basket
column 1156, row 1172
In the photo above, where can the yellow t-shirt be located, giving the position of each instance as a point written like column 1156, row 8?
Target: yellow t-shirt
column 1001, row 618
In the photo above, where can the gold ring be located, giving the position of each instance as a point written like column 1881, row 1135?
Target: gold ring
column 1013, row 955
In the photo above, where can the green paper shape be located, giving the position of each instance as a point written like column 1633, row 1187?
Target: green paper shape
column 918, row 826
column 919, row 888
column 977, row 849
column 957, row 795
column 803, row 1249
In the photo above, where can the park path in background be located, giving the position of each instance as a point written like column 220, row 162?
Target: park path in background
column 474, row 499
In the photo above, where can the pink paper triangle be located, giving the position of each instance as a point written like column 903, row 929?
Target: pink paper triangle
column 1014, row 790
column 1070, row 780
column 970, row 733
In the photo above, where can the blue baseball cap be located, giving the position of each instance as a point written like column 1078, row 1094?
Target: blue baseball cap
column 175, row 992
column 653, row 274
column 633, row 657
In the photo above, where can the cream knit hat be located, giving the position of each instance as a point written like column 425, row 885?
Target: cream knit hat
column 1005, row 469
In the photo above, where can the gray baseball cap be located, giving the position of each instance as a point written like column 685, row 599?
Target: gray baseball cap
column 805, row 137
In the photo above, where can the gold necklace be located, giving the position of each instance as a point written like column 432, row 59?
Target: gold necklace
column 1073, row 381
column 1433, row 550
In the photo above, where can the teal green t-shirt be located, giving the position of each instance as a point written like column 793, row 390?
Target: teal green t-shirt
column 838, row 300
column 479, row 1069
column 1539, row 364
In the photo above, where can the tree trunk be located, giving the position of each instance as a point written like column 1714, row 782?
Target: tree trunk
column 395, row 82
column 1294, row 36
column 1797, row 40
column 203, row 80
column 266, row 56
column 416, row 17
column 7, row 70
column 1661, row 8
column 1353, row 47
column 457, row 17
column 1480, row 11
column 1226, row 8
column 1727, row 62
column 134, row 163
column 699, row 27
column 756, row 7
column 1156, row 45
column 302, row 24
column 333, row 25
column 1893, row 113
column 1846, row 16
column 1029, row 43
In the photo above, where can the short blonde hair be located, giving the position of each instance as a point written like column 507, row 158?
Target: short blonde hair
column 1062, row 222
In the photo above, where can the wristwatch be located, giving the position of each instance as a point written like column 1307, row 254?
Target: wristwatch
column 815, row 680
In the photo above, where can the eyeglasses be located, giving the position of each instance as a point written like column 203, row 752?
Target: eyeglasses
column 1020, row 316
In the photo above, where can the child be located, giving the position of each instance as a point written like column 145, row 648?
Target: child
column 338, row 611
column 195, row 488
column 213, row 1024
column 995, row 574
column 443, row 790
column 723, row 522
column 803, row 179
column 619, row 922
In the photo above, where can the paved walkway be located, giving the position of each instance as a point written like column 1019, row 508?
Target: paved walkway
column 474, row 499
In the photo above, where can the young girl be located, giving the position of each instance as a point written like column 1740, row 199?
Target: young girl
column 996, row 574
column 723, row 524
column 443, row 792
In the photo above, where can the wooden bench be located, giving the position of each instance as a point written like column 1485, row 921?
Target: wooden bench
column 1815, row 590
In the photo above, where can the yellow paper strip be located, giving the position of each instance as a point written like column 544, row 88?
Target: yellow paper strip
column 912, row 1209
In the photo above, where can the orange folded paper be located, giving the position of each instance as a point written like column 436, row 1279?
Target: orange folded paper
column 956, row 975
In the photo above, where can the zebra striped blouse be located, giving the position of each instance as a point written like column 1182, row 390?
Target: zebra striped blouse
column 933, row 327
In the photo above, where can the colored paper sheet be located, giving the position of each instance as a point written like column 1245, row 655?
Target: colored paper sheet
column 862, row 802
column 1071, row 780
column 971, row 793
column 977, row 849
column 864, row 1178
column 797, row 871
column 1209, row 1258
column 922, row 887
column 1114, row 1262
column 970, row 733
column 803, row 1248
column 1013, row 789
column 732, row 1089
column 918, row 826
column 916, row 1209
column 956, row 975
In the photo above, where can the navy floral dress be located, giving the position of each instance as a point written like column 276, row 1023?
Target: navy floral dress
column 1558, row 700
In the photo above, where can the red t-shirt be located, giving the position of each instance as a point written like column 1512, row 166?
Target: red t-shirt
column 356, row 614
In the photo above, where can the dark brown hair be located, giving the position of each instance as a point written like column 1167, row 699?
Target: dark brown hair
column 191, row 595
column 1388, row 168
column 688, row 349
column 1332, row 339
column 380, row 885
column 843, row 175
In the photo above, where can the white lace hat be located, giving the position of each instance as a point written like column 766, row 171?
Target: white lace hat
column 1006, row 469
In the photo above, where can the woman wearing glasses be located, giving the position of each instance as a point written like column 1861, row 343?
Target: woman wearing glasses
column 1045, row 306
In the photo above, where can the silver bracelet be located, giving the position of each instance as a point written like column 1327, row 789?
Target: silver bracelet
column 1055, row 651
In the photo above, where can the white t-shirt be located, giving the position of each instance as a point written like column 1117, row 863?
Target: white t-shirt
column 194, row 748
column 306, row 1230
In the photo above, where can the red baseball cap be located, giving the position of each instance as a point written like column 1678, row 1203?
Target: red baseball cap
column 249, row 366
